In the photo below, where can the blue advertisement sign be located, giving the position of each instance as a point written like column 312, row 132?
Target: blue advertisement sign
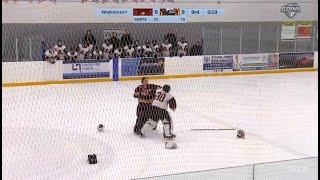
column 218, row 63
column 129, row 66
column 142, row 66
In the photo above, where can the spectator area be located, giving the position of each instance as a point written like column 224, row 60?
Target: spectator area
column 213, row 43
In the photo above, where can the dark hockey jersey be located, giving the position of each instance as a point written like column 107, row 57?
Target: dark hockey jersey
column 150, row 91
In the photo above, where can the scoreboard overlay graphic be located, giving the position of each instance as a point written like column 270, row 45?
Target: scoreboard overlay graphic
column 160, row 15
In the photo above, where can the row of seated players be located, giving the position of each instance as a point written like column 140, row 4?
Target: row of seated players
column 88, row 51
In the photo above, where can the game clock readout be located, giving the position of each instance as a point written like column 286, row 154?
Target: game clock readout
column 160, row 15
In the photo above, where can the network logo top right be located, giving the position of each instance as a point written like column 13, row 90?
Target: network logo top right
column 290, row 9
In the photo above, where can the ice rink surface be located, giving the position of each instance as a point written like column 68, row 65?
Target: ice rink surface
column 48, row 131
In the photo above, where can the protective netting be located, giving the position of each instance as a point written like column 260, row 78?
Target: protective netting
column 48, row 131
column 25, row 42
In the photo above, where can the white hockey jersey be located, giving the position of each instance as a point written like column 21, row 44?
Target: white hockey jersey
column 51, row 54
column 162, row 99
column 85, row 49
column 97, row 52
column 155, row 46
column 105, row 47
column 85, row 52
column 147, row 49
column 117, row 52
column 74, row 54
column 59, row 49
column 183, row 45
column 166, row 52
column 130, row 51
column 166, row 46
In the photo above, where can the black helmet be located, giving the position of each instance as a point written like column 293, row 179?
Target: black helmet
column 240, row 134
column 166, row 88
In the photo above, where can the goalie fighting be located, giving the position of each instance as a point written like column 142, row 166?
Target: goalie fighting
column 159, row 112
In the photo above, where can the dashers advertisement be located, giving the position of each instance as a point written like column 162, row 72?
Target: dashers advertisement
column 86, row 69
column 151, row 66
column 218, row 63
column 273, row 61
column 296, row 60
column 142, row 66
column 252, row 62
column 129, row 66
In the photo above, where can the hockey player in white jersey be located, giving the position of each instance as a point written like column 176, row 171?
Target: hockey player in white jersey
column 159, row 112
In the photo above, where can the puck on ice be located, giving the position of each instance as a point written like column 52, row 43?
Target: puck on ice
column 100, row 127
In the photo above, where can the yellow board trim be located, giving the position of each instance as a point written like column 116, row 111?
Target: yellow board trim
column 233, row 73
column 73, row 81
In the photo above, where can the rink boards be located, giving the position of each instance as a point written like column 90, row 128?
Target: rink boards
column 43, row 73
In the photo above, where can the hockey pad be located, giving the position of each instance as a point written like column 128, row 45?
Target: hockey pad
column 166, row 128
column 148, row 126
column 168, row 121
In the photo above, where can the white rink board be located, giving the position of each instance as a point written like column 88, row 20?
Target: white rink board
column 288, row 170
column 31, row 71
column 37, row 71
column 238, row 173
column 183, row 65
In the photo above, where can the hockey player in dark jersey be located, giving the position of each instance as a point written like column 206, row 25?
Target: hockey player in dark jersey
column 145, row 93
column 159, row 112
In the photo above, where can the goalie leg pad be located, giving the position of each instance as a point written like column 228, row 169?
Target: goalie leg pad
column 167, row 130
column 148, row 126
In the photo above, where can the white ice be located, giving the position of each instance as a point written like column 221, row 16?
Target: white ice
column 48, row 131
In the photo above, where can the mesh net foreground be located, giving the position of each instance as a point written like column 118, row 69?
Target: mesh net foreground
column 48, row 131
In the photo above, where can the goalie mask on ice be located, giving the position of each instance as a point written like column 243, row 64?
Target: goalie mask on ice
column 171, row 145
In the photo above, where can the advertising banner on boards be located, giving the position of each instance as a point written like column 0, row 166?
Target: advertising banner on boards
column 86, row 69
column 217, row 63
column 296, row 60
column 142, row 66
column 251, row 62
